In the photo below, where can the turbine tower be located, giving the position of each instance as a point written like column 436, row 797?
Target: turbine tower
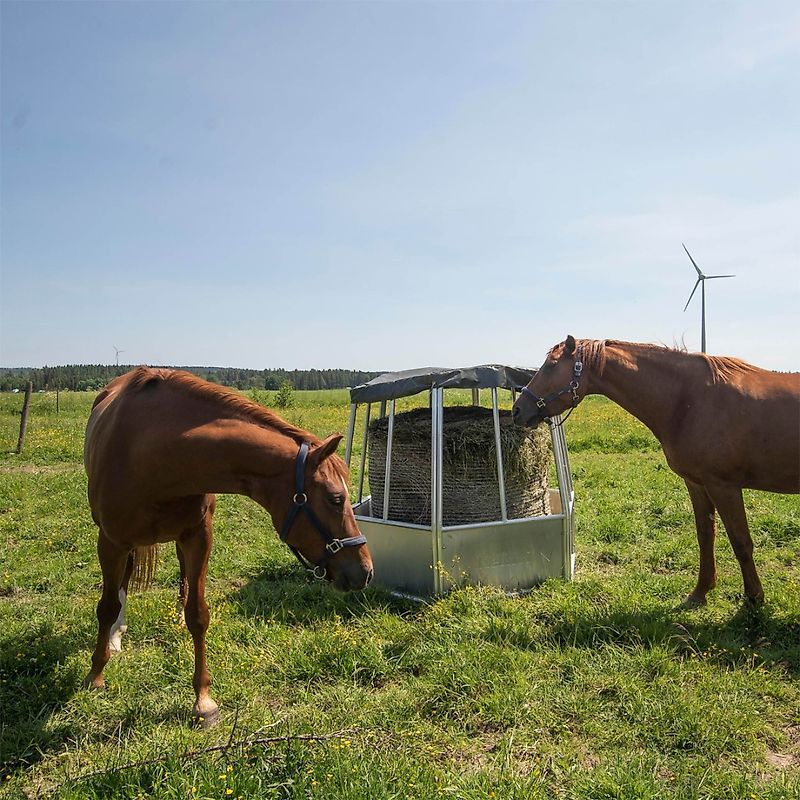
column 701, row 280
column 118, row 351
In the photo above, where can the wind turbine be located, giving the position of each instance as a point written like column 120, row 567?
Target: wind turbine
column 118, row 351
column 701, row 280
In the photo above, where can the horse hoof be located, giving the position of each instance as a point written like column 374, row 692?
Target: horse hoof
column 94, row 682
column 690, row 602
column 207, row 720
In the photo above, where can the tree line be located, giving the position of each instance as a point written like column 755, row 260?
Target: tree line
column 93, row 377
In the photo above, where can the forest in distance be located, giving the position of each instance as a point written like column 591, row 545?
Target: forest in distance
column 93, row 377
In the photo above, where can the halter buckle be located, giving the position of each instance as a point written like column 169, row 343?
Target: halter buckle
column 334, row 547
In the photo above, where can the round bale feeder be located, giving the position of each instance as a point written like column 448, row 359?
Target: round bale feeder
column 457, row 494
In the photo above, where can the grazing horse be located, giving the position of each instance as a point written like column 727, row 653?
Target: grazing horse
column 723, row 424
column 159, row 444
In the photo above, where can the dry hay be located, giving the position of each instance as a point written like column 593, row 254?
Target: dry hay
column 469, row 480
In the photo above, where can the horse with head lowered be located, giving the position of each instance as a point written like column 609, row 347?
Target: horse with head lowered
column 724, row 425
column 159, row 445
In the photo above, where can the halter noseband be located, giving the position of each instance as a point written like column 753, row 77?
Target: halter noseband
column 572, row 386
column 300, row 503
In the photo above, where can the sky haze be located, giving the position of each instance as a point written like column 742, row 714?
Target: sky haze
column 393, row 185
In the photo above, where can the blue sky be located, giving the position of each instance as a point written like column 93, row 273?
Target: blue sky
column 393, row 185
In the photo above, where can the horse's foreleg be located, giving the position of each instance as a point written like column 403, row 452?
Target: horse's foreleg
column 195, row 545
column 704, row 521
column 730, row 505
column 113, row 562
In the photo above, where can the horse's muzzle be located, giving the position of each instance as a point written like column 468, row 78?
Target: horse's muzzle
column 352, row 578
column 520, row 419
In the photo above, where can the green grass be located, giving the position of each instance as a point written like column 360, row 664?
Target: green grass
column 592, row 689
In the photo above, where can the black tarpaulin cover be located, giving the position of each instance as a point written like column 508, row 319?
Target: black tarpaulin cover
column 392, row 385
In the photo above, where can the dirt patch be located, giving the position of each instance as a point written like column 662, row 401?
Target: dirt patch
column 790, row 759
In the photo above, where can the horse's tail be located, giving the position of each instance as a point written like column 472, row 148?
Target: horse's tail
column 144, row 566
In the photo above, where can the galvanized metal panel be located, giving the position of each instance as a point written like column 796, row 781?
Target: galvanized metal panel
column 402, row 554
column 514, row 555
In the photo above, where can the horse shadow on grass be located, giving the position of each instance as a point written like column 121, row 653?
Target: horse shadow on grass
column 34, row 685
column 753, row 635
column 759, row 635
column 283, row 594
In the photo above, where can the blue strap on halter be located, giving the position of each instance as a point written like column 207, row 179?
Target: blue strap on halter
column 300, row 503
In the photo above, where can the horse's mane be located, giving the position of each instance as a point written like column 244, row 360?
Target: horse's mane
column 723, row 369
column 235, row 404
column 593, row 353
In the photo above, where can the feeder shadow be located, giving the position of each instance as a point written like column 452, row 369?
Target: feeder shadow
column 33, row 686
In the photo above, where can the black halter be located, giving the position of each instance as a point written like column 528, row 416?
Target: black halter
column 541, row 402
column 300, row 502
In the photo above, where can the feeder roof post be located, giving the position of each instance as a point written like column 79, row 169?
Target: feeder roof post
column 387, row 476
column 501, row 481
column 437, row 414
column 351, row 428
column 566, row 491
column 364, row 455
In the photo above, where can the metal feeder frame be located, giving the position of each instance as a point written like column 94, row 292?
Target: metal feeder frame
column 512, row 554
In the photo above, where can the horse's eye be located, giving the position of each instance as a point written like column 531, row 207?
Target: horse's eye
column 336, row 500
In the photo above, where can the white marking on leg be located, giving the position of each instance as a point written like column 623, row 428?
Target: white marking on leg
column 119, row 627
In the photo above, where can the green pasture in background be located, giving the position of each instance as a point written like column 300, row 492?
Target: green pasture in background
column 597, row 688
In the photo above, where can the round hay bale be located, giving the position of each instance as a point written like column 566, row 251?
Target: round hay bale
column 470, row 491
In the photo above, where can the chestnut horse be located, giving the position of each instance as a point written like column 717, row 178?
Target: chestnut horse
column 723, row 424
column 159, row 445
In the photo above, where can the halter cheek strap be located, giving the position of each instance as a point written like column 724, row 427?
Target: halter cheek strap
column 572, row 386
column 300, row 503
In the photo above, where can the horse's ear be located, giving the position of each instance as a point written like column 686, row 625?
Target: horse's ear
column 324, row 450
column 569, row 345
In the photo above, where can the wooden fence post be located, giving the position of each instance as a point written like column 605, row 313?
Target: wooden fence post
column 23, row 424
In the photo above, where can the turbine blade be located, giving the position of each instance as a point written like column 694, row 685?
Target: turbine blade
column 720, row 276
column 692, row 294
column 700, row 274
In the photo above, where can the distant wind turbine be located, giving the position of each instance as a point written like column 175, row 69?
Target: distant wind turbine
column 701, row 280
column 118, row 351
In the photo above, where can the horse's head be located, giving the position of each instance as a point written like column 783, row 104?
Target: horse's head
column 554, row 388
column 319, row 525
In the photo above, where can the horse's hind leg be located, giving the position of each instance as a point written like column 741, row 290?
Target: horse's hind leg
column 120, row 626
column 113, row 563
column 195, row 545
column 704, row 521
column 730, row 504
column 183, row 587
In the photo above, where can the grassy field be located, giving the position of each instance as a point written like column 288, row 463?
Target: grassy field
column 597, row 688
